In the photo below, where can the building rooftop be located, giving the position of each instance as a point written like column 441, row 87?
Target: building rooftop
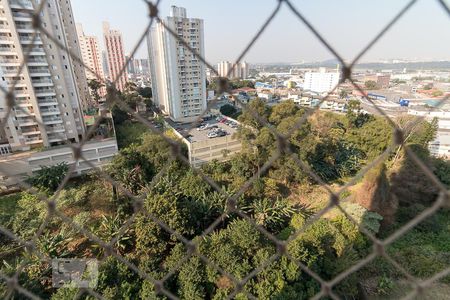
column 194, row 135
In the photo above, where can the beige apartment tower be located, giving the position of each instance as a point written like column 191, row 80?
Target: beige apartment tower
column 51, row 89
column 115, row 56
column 91, row 56
column 178, row 76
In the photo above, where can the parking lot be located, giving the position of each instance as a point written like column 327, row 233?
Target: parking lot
column 222, row 126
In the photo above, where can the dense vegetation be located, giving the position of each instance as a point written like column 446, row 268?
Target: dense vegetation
column 282, row 199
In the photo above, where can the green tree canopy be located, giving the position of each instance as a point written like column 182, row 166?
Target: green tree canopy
column 49, row 177
column 228, row 110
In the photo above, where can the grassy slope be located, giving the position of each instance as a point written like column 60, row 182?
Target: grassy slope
column 130, row 132
column 8, row 207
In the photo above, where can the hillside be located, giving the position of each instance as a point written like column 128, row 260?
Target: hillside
column 283, row 199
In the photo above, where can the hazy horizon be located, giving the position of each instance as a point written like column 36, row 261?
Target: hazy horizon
column 229, row 25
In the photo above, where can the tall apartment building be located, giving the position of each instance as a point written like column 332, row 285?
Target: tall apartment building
column 322, row 81
column 116, row 56
column 130, row 65
column 178, row 77
column 105, row 64
column 138, row 66
column 91, row 55
column 240, row 70
column 51, row 87
column 142, row 66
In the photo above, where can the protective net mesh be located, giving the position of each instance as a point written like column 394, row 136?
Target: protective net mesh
column 192, row 248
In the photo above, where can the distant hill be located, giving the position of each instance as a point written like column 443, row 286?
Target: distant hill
column 428, row 65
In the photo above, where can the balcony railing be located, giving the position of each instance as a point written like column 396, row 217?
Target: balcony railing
column 38, row 71
column 33, row 140
column 44, row 91
column 24, row 112
column 36, row 49
column 23, row 103
column 17, row 14
column 8, row 60
column 24, row 26
column 26, row 121
column 10, row 71
column 37, row 59
column 50, row 110
column 57, row 136
column 30, row 39
column 55, row 128
column 37, row 81
column 51, row 119
column 31, row 131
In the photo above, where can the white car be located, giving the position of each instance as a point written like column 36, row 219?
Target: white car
column 212, row 135
column 203, row 127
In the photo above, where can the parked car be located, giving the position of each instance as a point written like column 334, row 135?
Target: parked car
column 221, row 133
column 212, row 134
column 203, row 127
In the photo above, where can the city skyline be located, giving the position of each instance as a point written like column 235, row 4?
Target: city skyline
column 408, row 39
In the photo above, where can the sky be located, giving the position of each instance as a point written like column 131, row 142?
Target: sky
column 348, row 25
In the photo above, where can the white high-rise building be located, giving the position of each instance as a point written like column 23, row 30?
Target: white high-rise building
column 223, row 68
column 178, row 77
column 51, row 88
column 322, row 81
column 240, row 70
column 91, row 55
column 244, row 70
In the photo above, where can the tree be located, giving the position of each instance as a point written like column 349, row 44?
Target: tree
column 145, row 92
column 372, row 138
column 95, row 86
column 272, row 214
column 131, row 168
column 49, row 178
column 343, row 94
column 131, row 95
column 119, row 115
column 335, row 159
column 282, row 111
column 355, row 116
column 258, row 107
column 428, row 86
column 437, row 93
column 370, row 85
column 238, row 83
column 228, row 110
